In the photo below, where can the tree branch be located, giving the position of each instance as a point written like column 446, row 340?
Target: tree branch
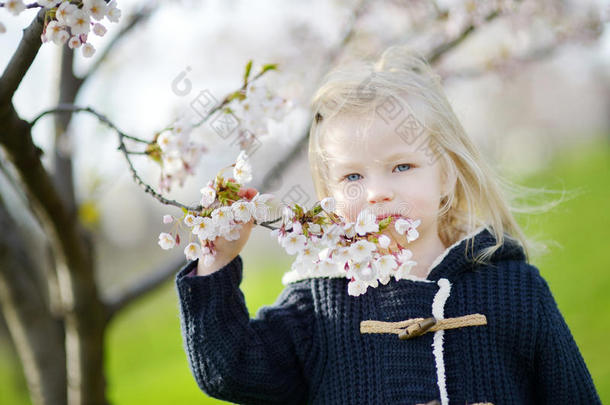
column 436, row 54
column 146, row 284
column 22, row 59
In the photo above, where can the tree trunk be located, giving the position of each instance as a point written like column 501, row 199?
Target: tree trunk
column 84, row 312
column 38, row 337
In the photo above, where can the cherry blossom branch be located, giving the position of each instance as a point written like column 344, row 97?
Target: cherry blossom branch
column 122, row 136
column 123, row 148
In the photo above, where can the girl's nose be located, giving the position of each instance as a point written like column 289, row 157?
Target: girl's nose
column 376, row 197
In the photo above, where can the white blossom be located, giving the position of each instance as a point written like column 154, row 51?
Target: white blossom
column 314, row 229
column 192, row 251
column 61, row 37
column 385, row 265
column 412, row 234
column 331, row 234
column 349, row 230
column 64, row 11
column 168, row 219
column 261, row 209
column 404, row 255
column 287, row 215
column 182, row 128
column 293, row 243
column 308, row 256
column 366, row 222
column 52, row 30
column 340, row 256
column 328, row 204
column 326, row 266
column 14, row 7
column 401, row 225
column 112, row 12
column 356, row 287
column 166, row 241
column 242, row 210
column 361, row 250
column 297, row 227
column 384, row 241
column 88, row 50
column 99, row 30
column 222, row 217
column 74, row 42
column 190, row 220
column 242, row 172
column 208, row 196
column 79, row 22
column 303, row 267
column 404, row 270
column 206, row 229
column 96, row 8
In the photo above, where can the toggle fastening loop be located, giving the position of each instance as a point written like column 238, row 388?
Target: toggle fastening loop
column 410, row 328
column 417, row 329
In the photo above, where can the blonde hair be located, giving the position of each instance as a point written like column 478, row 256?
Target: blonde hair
column 480, row 195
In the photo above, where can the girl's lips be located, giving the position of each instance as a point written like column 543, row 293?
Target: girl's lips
column 381, row 217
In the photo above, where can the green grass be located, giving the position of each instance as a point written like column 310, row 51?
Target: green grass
column 146, row 363
column 578, row 270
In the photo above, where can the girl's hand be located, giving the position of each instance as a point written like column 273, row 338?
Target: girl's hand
column 226, row 250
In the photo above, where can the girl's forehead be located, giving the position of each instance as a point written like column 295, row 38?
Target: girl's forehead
column 350, row 135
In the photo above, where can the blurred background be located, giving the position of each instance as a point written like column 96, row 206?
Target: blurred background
column 530, row 86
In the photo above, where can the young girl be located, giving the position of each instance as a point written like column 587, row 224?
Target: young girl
column 473, row 322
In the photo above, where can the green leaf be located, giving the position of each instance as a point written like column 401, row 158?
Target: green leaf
column 384, row 223
column 153, row 150
column 236, row 95
column 247, row 73
column 269, row 66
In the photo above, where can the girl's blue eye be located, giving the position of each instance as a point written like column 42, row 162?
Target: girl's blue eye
column 352, row 179
column 403, row 165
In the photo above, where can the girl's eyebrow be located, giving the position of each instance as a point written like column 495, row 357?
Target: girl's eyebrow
column 351, row 164
column 398, row 155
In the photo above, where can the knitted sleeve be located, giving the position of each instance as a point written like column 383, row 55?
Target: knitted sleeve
column 561, row 374
column 234, row 357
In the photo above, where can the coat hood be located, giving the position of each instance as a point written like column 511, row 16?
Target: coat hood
column 459, row 257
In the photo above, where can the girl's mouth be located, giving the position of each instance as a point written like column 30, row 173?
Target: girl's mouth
column 381, row 217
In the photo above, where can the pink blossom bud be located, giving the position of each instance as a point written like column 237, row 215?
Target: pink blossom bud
column 167, row 219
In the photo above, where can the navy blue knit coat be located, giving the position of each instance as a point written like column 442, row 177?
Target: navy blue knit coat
column 308, row 348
